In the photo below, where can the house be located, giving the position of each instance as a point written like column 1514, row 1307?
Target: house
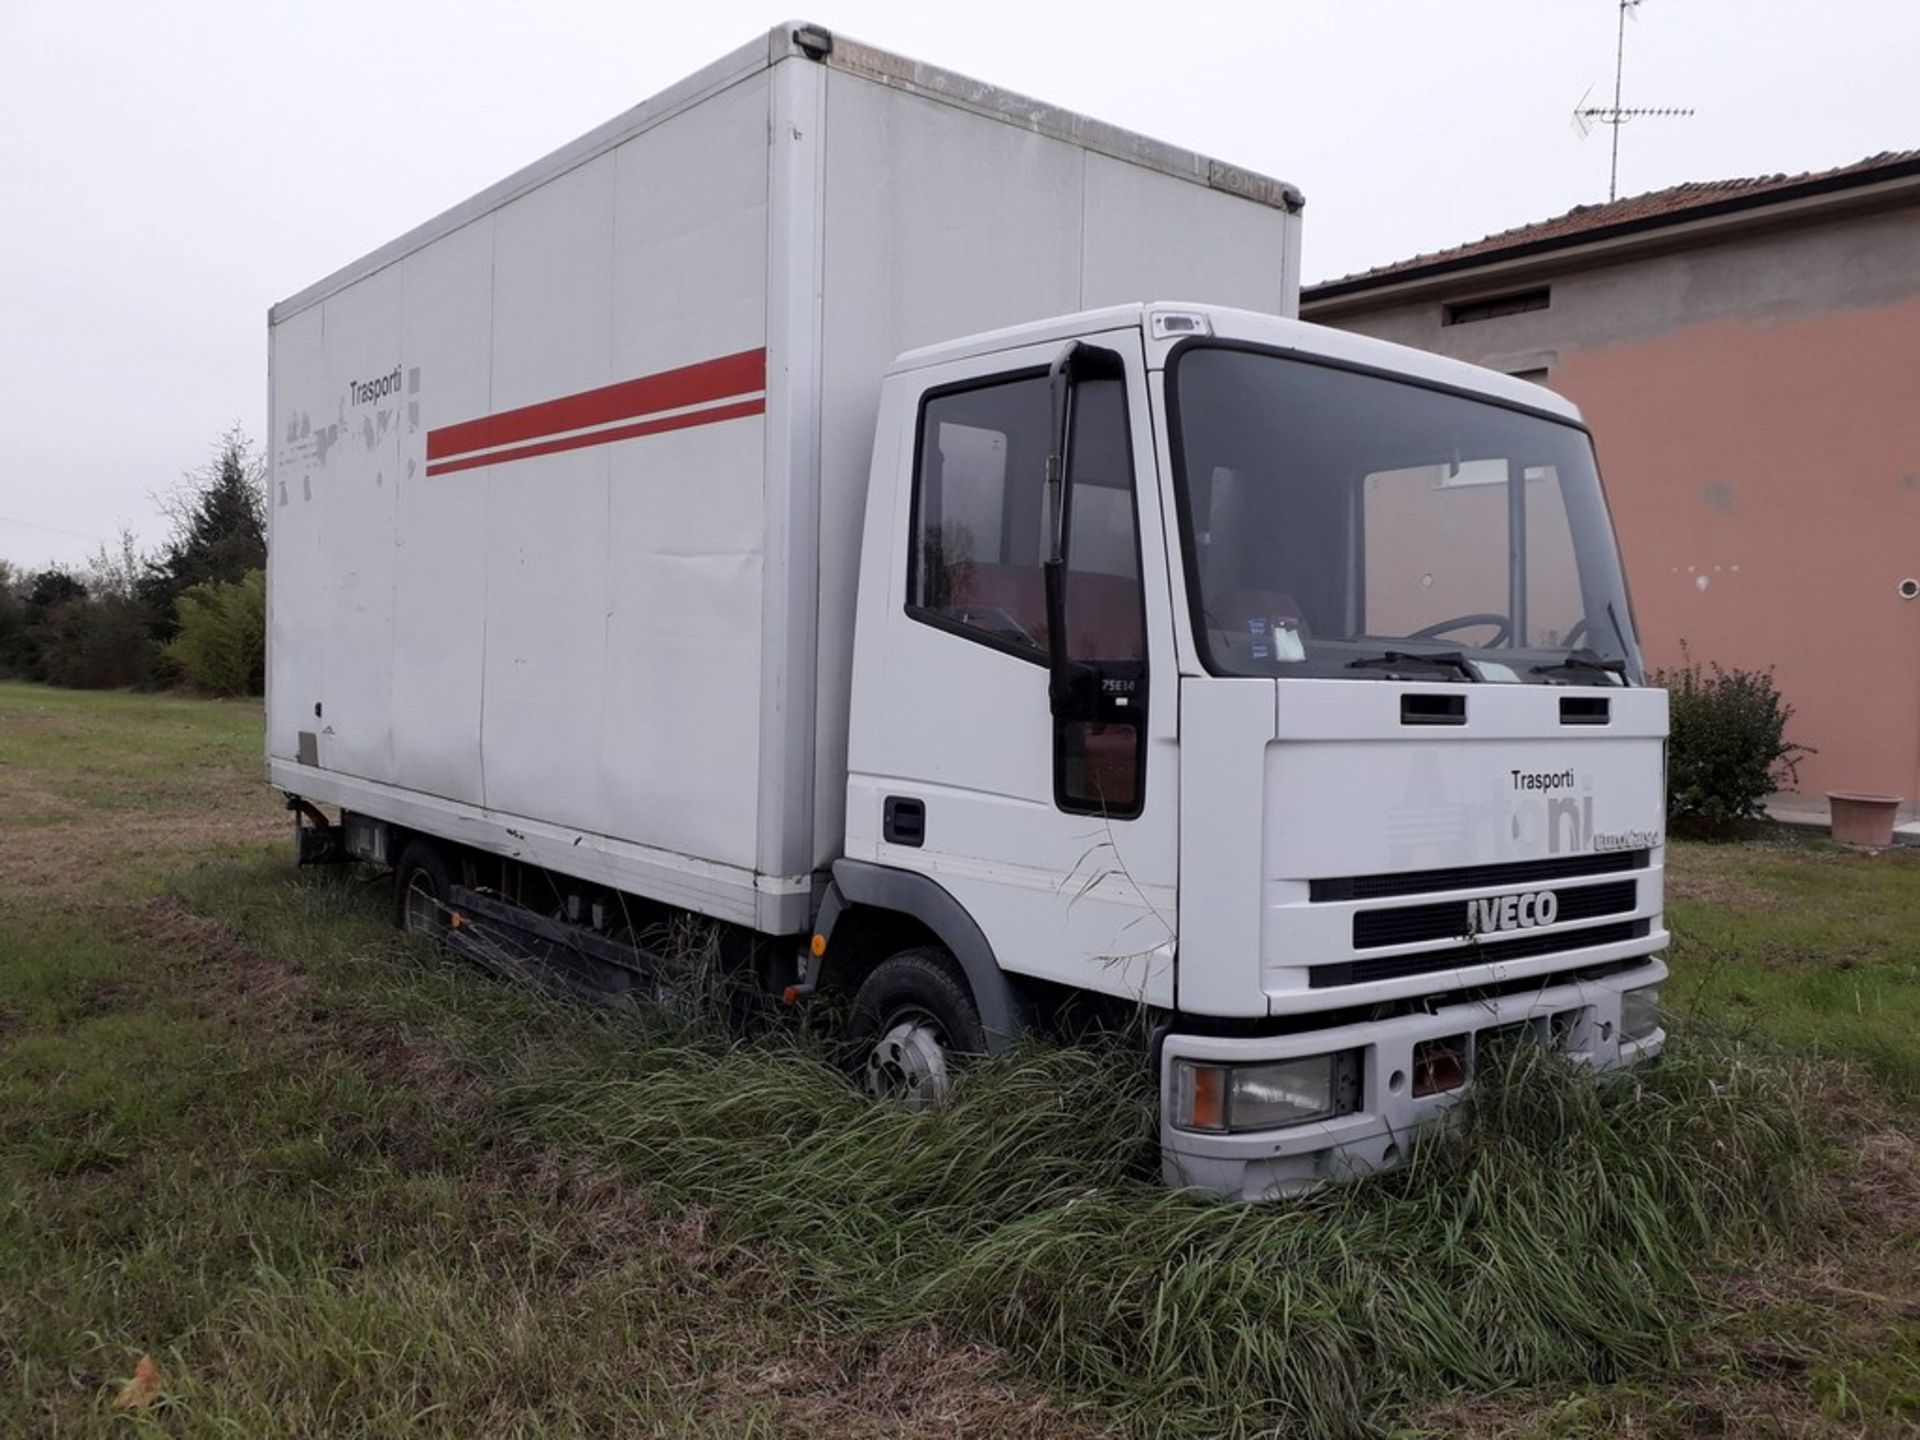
column 1748, row 355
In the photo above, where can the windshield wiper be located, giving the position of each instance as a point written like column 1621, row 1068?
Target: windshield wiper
column 1433, row 659
column 1582, row 660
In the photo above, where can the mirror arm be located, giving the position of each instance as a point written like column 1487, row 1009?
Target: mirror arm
column 1053, row 571
column 1059, row 390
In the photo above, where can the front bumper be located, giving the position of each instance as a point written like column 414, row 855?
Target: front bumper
column 1582, row 1016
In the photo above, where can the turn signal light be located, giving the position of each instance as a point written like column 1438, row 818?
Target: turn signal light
column 1206, row 1107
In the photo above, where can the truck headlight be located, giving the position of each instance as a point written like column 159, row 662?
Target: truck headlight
column 1639, row 1013
column 1225, row 1098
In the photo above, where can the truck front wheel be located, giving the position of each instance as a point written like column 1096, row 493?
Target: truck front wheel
column 912, row 1018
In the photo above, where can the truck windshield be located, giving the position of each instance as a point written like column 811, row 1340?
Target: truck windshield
column 1343, row 523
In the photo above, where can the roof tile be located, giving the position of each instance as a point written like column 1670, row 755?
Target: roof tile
column 1675, row 201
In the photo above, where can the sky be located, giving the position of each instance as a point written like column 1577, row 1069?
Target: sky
column 168, row 171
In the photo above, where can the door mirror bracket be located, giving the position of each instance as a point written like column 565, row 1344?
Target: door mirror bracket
column 1073, row 691
column 1098, row 705
column 1060, row 378
column 1076, row 361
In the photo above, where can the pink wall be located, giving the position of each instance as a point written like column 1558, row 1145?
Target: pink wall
column 1765, row 479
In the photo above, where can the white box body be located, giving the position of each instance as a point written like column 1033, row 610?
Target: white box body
column 567, row 486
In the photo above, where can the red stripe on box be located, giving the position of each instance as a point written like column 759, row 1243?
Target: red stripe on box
column 700, row 384
column 755, row 406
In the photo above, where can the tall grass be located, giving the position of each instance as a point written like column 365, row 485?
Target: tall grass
column 1561, row 1233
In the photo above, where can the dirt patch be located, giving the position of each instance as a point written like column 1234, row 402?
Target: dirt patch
column 918, row 1383
column 1712, row 887
column 1747, row 1412
column 1883, row 1194
column 229, row 977
column 64, row 860
column 277, row 1005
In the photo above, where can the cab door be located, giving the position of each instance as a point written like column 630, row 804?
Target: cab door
column 1051, row 818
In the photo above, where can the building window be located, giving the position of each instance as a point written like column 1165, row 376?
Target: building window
column 1492, row 307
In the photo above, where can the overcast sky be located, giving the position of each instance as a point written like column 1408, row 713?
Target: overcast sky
column 168, row 170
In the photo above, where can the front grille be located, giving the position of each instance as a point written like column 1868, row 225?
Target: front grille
column 1453, row 919
column 1455, row 957
column 1475, row 877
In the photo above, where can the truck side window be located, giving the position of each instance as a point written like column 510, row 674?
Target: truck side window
column 1105, row 616
column 1100, row 763
column 977, row 534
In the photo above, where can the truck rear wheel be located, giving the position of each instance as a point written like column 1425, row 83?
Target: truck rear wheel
column 912, row 1018
column 422, row 889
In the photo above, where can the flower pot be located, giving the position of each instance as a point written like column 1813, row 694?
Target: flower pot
column 1863, row 819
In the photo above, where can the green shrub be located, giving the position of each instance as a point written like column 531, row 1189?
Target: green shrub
column 99, row 642
column 221, row 646
column 16, row 648
column 1727, row 749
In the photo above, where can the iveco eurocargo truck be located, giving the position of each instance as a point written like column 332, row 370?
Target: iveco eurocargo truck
column 905, row 524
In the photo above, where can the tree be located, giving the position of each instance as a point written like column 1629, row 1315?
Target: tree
column 87, row 633
column 219, row 519
column 107, row 626
column 44, row 597
column 222, row 644
column 117, row 569
column 52, row 587
column 106, row 640
column 13, row 621
column 99, row 642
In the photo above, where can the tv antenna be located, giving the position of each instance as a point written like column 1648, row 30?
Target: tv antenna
column 1586, row 116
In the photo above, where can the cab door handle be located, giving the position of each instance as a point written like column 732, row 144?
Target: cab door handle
column 903, row 821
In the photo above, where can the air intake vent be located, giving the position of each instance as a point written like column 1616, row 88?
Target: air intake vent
column 1459, row 957
column 1475, row 877
column 1453, row 919
column 1585, row 710
column 1433, row 709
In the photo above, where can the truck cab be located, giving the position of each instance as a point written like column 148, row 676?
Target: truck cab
column 1277, row 685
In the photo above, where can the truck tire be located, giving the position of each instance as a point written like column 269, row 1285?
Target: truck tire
column 422, row 889
column 912, row 1019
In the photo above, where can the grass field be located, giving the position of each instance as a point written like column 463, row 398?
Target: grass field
column 335, row 1184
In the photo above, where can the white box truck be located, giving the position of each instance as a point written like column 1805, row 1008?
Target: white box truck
column 790, row 505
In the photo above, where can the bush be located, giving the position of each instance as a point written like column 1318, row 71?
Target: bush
column 100, row 642
column 221, row 646
column 1728, row 748
column 219, row 519
column 15, row 649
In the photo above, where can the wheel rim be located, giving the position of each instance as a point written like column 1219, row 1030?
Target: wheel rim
column 424, row 911
column 909, row 1063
